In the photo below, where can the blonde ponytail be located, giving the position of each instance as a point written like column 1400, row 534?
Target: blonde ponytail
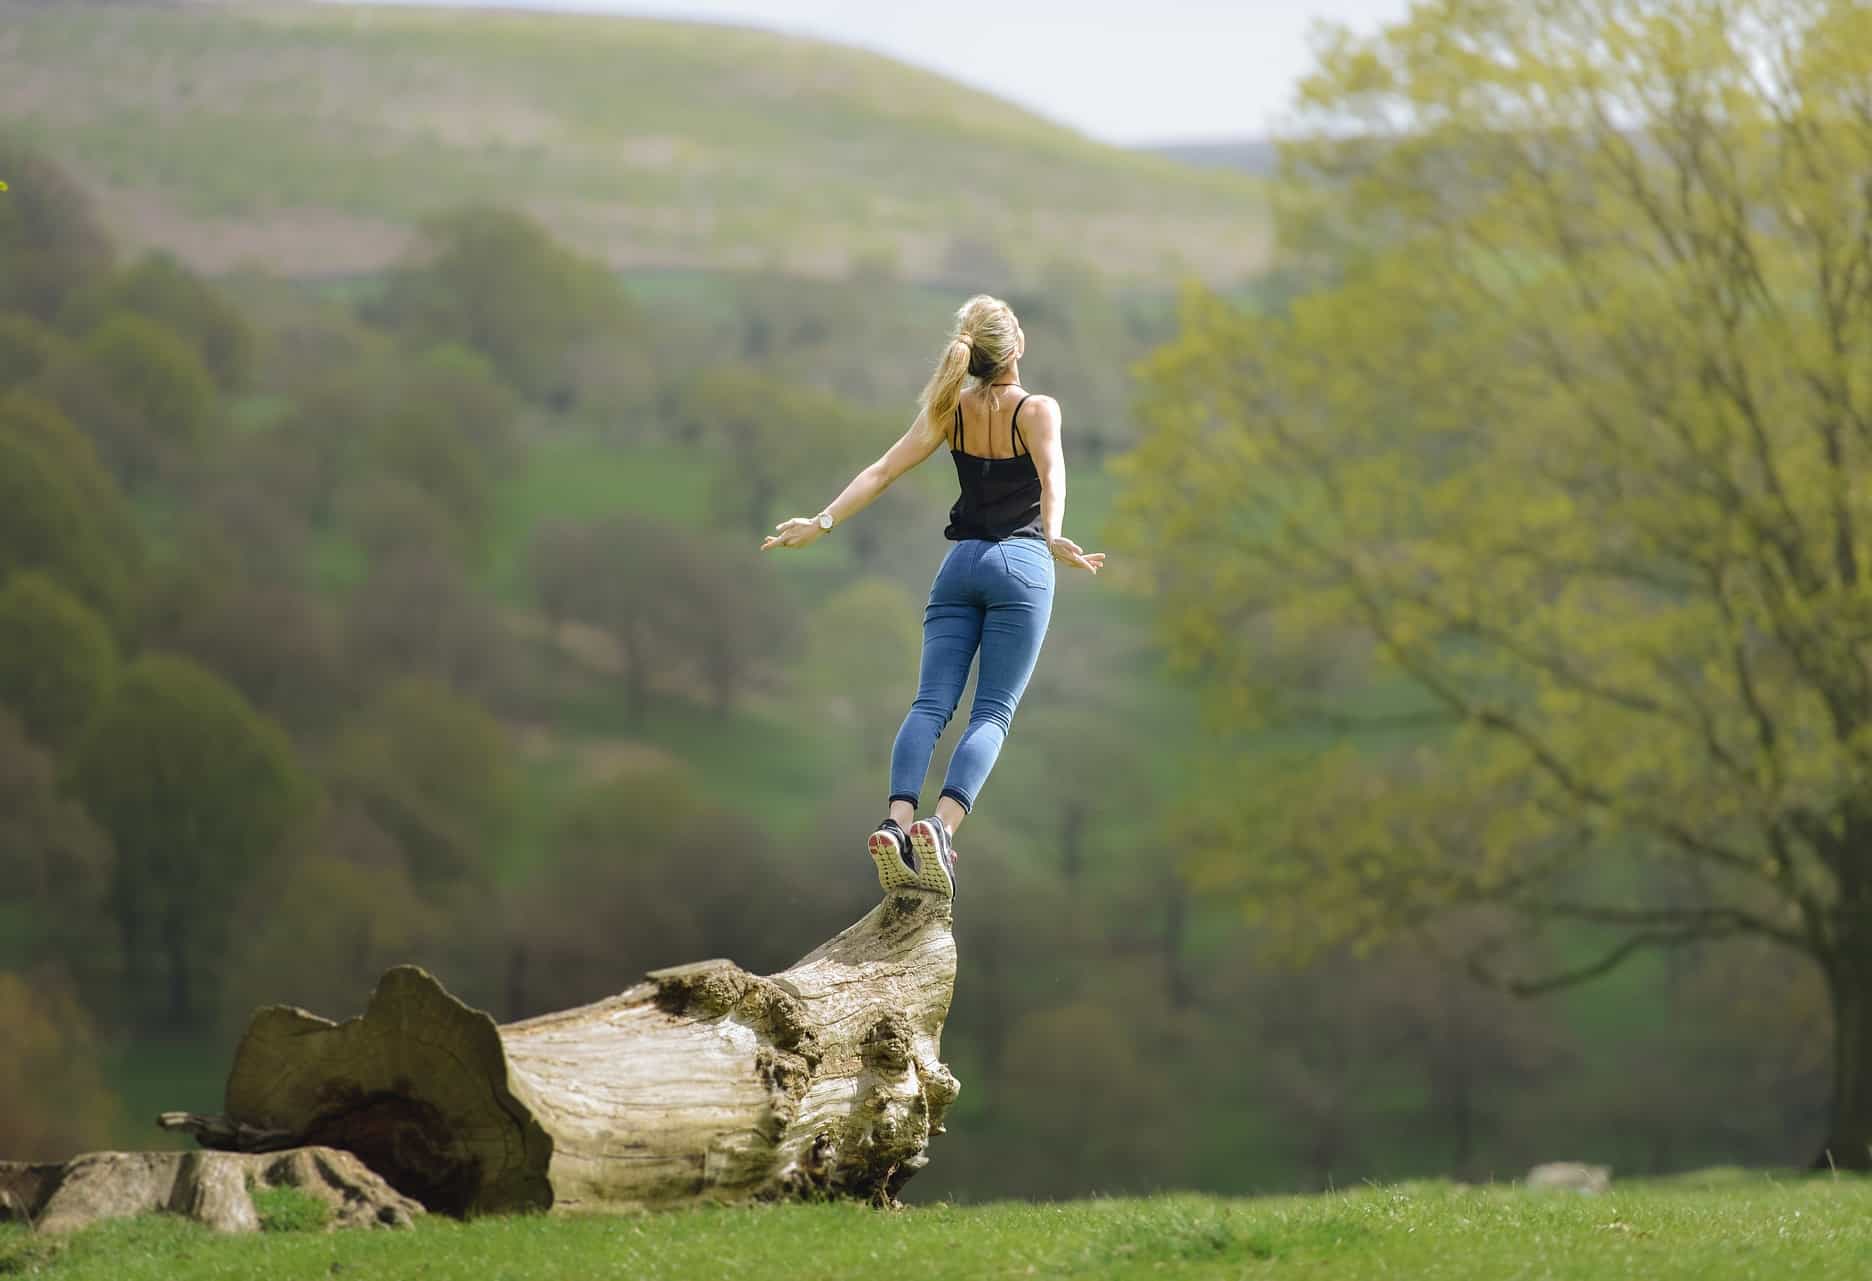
column 944, row 391
column 985, row 341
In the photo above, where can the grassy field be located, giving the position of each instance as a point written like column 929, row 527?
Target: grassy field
column 309, row 137
column 1713, row 1228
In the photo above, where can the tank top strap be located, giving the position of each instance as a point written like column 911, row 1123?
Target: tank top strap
column 956, row 443
column 1014, row 423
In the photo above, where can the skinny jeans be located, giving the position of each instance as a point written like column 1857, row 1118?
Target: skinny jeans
column 991, row 596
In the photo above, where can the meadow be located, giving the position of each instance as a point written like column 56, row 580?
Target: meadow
column 1714, row 1226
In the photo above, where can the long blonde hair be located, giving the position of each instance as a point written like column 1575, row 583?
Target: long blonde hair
column 984, row 341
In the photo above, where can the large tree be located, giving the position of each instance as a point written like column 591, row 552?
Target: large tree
column 496, row 281
column 1556, row 478
column 198, row 791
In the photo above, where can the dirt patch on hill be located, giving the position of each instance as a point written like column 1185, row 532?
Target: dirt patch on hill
column 288, row 242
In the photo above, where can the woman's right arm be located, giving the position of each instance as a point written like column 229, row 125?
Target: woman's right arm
column 1042, row 433
column 915, row 445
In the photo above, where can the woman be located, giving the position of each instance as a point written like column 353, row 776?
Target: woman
column 994, row 590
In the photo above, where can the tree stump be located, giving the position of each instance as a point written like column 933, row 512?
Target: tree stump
column 215, row 1188
column 703, row 1082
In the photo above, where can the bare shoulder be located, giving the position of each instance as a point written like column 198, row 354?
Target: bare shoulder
column 1043, row 408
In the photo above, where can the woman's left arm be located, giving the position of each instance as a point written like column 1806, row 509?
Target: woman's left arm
column 915, row 445
column 1043, row 438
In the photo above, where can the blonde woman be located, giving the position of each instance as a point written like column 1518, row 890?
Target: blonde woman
column 994, row 590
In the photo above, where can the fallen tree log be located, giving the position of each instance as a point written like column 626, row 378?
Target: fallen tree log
column 215, row 1188
column 702, row 1082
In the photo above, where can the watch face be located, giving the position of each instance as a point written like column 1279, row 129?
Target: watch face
column 825, row 521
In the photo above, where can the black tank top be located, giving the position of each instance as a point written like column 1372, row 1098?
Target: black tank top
column 1000, row 496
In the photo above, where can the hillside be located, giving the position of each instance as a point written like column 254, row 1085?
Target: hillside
column 311, row 137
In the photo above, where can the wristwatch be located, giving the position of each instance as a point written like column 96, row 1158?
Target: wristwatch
column 824, row 520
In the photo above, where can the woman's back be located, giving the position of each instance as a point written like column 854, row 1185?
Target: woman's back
column 1000, row 486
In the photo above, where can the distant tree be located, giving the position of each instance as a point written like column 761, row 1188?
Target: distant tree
column 56, row 658
column 496, row 281
column 281, row 647
column 50, row 1076
column 321, row 932
column 42, row 425
column 45, row 525
column 639, row 868
column 323, row 443
column 1567, row 453
column 197, row 791
column 433, row 770
column 56, row 872
column 416, row 614
column 50, row 241
column 162, row 290
column 140, row 392
column 861, row 658
column 676, row 603
column 723, row 589
column 769, row 439
column 461, row 387
column 420, row 446
column 27, row 349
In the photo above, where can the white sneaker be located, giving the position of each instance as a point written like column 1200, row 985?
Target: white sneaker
column 895, row 860
column 935, row 856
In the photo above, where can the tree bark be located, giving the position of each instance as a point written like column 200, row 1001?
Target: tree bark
column 1849, row 1130
column 215, row 1188
column 704, row 1082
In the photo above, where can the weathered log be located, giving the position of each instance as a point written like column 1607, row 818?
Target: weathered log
column 215, row 1188
column 703, row 1082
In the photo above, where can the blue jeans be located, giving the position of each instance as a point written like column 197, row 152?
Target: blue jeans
column 991, row 596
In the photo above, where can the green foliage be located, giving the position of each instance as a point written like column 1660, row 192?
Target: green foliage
column 860, row 664
column 419, row 447
column 434, row 771
column 601, row 572
column 50, row 241
column 56, row 867
column 56, row 657
column 773, row 438
column 652, row 834
column 27, row 349
column 160, row 289
column 496, row 281
column 290, row 1209
column 57, row 1102
column 1576, row 468
column 45, row 525
column 198, row 791
column 141, row 394
column 41, row 424
column 1555, row 479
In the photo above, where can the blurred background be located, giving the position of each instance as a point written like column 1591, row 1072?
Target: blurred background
column 392, row 399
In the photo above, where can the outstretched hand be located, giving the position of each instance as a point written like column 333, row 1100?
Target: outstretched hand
column 797, row 532
column 1067, row 552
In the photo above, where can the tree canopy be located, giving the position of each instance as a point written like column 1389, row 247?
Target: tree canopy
column 1544, row 508
column 198, row 791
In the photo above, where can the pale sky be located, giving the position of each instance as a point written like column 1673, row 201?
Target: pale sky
column 1125, row 71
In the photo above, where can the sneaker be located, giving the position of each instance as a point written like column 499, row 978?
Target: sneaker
column 935, row 856
column 896, row 861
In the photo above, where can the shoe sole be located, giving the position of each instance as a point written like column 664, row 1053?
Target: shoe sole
column 892, row 872
column 931, row 874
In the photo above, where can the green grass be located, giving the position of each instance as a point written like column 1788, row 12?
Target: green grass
column 1717, row 1229
column 666, row 143
column 575, row 476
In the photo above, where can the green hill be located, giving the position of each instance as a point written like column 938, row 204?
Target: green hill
column 310, row 137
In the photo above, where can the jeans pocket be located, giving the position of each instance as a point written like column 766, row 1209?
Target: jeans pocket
column 1027, row 569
